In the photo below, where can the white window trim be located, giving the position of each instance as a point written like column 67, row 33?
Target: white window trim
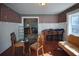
column 75, row 12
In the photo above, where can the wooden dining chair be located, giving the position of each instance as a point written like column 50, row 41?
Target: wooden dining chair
column 16, row 44
column 39, row 45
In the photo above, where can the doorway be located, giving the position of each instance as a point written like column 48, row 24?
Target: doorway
column 30, row 29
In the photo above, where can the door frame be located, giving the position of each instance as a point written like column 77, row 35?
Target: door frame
column 28, row 17
column 22, row 21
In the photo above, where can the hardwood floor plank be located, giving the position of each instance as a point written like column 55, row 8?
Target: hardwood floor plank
column 51, row 48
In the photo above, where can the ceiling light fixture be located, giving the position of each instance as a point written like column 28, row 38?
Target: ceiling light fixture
column 43, row 4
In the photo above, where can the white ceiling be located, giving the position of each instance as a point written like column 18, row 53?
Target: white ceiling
column 36, row 8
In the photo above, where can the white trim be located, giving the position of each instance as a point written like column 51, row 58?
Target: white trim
column 29, row 17
column 69, row 15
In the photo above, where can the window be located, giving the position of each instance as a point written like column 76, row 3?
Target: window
column 75, row 24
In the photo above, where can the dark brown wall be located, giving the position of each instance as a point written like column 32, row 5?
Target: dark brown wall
column 62, row 16
column 0, row 11
column 45, row 18
column 48, row 19
column 8, row 15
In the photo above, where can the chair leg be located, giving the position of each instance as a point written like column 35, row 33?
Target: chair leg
column 42, row 51
column 37, row 52
column 23, row 50
column 13, row 50
column 29, row 51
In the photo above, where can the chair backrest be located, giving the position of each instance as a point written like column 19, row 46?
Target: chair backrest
column 41, row 39
column 13, row 38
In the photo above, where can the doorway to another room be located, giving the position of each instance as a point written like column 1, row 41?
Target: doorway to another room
column 30, row 29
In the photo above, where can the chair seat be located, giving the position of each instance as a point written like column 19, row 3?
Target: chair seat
column 35, row 46
column 19, row 44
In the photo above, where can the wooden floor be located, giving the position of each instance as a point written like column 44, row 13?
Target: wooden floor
column 51, row 48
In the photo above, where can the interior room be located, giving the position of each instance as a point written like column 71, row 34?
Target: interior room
column 39, row 29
